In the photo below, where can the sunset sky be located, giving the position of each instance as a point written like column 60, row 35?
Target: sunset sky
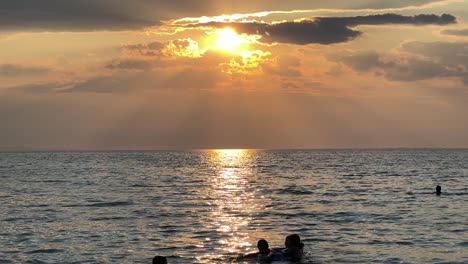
column 269, row 74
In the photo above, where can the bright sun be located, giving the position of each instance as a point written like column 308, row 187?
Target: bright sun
column 227, row 39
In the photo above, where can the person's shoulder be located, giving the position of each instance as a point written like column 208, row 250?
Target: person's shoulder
column 252, row 255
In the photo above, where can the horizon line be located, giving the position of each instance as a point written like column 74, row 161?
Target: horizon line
column 209, row 149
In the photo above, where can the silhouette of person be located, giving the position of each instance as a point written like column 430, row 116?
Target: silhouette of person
column 159, row 260
column 438, row 190
column 294, row 247
column 263, row 249
column 293, row 251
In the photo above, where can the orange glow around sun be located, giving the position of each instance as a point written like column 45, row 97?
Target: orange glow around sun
column 227, row 39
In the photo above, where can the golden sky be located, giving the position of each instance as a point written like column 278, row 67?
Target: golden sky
column 183, row 74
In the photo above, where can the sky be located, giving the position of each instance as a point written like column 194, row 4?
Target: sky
column 264, row 74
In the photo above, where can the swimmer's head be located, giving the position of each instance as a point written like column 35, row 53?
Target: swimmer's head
column 159, row 260
column 262, row 246
column 438, row 190
column 293, row 241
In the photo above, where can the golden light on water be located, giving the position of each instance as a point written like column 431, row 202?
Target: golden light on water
column 230, row 153
column 234, row 200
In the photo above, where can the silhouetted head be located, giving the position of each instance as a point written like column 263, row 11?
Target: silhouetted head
column 159, row 260
column 293, row 241
column 438, row 190
column 263, row 246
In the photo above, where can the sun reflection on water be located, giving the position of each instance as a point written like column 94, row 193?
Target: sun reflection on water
column 233, row 200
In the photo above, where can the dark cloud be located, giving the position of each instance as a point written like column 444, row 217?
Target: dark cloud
column 453, row 54
column 147, row 56
column 110, row 84
column 440, row 60
column 363, row 61
column 150, row 49
column 456, row 32
column 415, row 69
column 129, row 64
column 125, row 82
column 41, row 87
column 16, row 70
column 73, row 15
column 181, row 80
column 328, row 30
column 89, row 15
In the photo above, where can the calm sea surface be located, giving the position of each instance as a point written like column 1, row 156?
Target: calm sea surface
column 349, row 206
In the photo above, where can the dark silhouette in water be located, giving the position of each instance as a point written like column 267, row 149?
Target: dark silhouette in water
column 293, row 251
column 294, row 247
column 438, row 190
column 263, row 249
column 159, row 260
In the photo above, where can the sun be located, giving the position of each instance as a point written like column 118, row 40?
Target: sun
column 227, row 39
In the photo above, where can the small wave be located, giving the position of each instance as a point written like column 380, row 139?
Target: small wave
column 459, row 231
column 13, row 219
column 36, row 261
column 36, row 205
column 407, row 243
column 9, row 252
column 294, row 190
column 110, row 204
column 45, row 251
column 107, row 218
column 142, row 185
column 463, row 244
column 102, row 204
column 16, row 219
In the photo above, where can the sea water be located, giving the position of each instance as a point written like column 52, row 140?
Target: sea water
column 348, row 206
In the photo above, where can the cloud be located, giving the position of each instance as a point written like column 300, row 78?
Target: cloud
column 363, row 61
column 72, row 15
column 148, row 56
column 130, row 64
column 452, row 54
column 456, row 32
column 177, row 47
column 17, row 70
column 39, row 88
column 426, row 61
column 181, row 80
column 90, row 15
column 180, row 54
column 414, row 69
column 149, row 49
column 284, row 66
column 328, row 30
column 126, row 82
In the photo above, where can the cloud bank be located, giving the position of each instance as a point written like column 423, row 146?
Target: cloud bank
column 328, row 30
column 90, row 15
column 418, row 61
column 456, row 32
column 13, row 70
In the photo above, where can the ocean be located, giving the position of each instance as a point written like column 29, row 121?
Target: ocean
column 210, row 206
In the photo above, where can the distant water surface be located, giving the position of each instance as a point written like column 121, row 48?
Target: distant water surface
column 349, row 206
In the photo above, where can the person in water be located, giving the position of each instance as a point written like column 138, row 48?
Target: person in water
column 263, row 250
column 294, row 247
column 159, row 260
column 438, row 190
column 293, row 251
